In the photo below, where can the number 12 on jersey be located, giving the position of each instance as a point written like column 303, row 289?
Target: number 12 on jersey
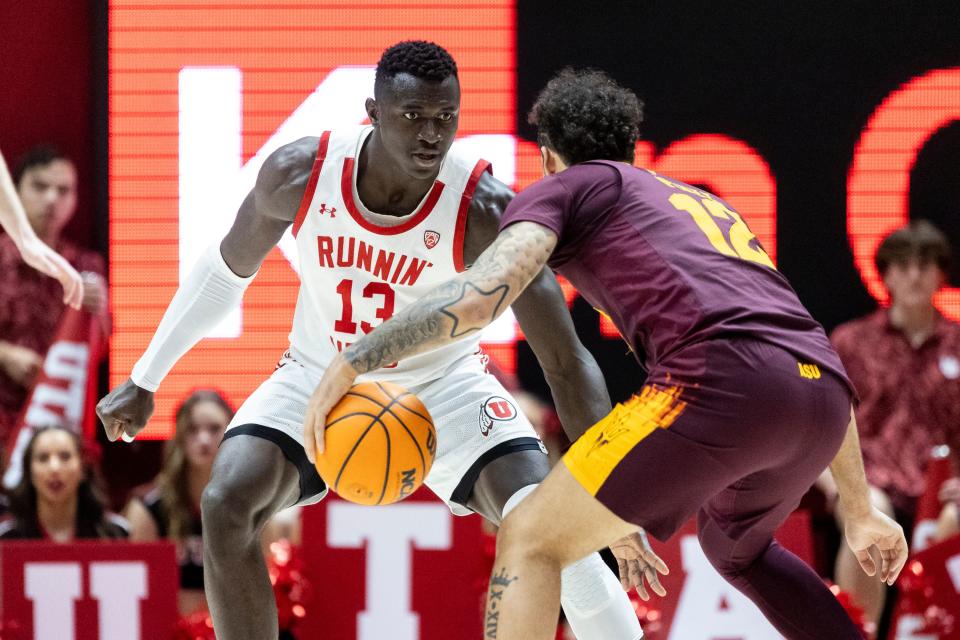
column 346, row 323
column 706, row 211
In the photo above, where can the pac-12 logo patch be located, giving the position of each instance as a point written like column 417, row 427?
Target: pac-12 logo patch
column 494, row 409
column 431, row 238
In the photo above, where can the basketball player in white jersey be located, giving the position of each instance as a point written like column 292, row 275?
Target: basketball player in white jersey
column 381, row 214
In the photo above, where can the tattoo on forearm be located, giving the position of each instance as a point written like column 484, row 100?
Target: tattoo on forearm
column 463, row 305
column 449, row 309
column 498, row 585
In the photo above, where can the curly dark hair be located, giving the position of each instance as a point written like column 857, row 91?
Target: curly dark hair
column 585, row 115
column 91, row 511
column 419, row 58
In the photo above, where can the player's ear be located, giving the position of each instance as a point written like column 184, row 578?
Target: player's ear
column 550, row 161
column 373, row 111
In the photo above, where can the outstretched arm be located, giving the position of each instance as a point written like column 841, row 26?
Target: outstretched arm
column 865, row 526
column 35, row 253
column 453, row 310
column 576, row 381
column 462, row 306
column 214, row 287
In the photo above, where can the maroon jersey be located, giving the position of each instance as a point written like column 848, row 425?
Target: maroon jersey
column 673, row 267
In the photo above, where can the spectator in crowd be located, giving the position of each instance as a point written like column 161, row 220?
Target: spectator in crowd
column 171, row 509
column 57, row 497
column 30, row 303
column 34, row 252
column 905, row 362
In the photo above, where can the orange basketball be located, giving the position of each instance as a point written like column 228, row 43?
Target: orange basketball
column 380, row 444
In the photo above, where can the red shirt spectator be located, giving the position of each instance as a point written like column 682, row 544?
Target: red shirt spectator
column 909, row 398
column 30, row 308
column 31, row 303
column 905, row 363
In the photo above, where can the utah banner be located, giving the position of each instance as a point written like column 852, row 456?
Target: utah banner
column 65, row 389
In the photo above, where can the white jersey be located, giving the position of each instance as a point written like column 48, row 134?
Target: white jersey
column 358, row 268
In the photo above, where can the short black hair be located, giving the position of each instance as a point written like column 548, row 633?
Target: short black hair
column 921, row 240
column 38, row 156
column 585, row 115
column 419, row 58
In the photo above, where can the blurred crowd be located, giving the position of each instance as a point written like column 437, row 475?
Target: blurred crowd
column 904, row 359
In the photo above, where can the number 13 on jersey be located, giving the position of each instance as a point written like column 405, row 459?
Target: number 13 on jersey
column 380, row 291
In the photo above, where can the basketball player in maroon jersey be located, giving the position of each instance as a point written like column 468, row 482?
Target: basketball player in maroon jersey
column 394, row 168
column 745, row 403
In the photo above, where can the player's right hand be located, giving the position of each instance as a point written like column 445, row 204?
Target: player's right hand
column 125, row 411
column 334, row 384
column 874, row 529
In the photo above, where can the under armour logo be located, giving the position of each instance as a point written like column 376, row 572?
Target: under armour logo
column 331, row 210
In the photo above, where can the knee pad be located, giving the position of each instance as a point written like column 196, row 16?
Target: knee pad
column 596, row 606
column 516, row 499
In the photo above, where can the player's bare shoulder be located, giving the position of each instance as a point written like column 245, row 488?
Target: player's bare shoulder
column 491, row 197
column 283, row 178
column 270, row 208
column 490, row 200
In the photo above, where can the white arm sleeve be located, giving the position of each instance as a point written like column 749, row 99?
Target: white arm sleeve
column 204, row 298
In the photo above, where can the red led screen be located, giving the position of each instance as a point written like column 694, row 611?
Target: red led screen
column 200, row 93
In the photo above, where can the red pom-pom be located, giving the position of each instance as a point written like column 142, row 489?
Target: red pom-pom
column 939, row 623
column 855, row 611
column 196, row 626
column 290, row 588
column 649, row 615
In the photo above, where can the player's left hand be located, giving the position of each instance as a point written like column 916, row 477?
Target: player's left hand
column 336, row 381
column 637, row 562
column 873, row 529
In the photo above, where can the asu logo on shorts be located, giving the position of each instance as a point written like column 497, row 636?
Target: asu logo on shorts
column 809, row 371
column 494, row 409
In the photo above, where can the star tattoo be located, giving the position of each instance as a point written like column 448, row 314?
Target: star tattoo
column 497, row 293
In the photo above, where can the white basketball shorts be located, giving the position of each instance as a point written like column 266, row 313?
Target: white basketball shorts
column 477, row 421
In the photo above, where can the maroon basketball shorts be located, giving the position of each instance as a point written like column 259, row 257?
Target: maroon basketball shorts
column 744, row 441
